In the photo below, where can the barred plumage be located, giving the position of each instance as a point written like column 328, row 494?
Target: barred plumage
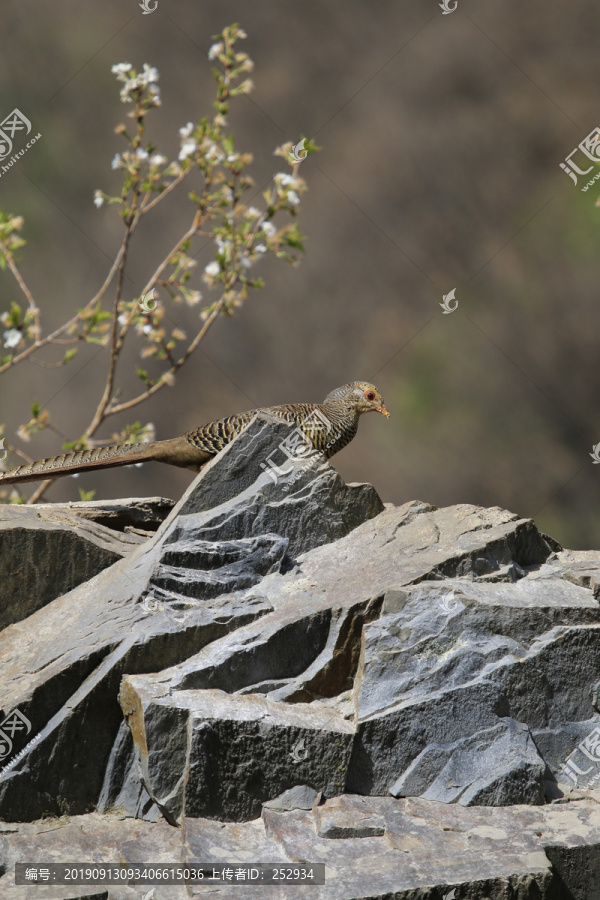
column 329, row 426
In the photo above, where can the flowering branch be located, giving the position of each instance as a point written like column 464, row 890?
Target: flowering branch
column 242, row 235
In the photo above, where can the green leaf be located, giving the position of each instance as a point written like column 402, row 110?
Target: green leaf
column 70, row 354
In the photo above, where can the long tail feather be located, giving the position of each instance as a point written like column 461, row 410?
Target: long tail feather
column 80, row 461
column 176, row 452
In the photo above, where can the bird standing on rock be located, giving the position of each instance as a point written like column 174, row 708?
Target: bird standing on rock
column 339, row 413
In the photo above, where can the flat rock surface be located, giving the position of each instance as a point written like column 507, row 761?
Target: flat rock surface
column 371, row 847
column 135, row 512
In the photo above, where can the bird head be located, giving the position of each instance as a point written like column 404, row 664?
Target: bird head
column 360, row 397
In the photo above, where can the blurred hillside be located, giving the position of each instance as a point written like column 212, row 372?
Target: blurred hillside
column 442, row 137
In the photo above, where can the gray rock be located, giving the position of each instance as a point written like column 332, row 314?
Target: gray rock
column 206, row 753
column 496, row 766
column 134, row 512
column 451, row 667
column 301, row 796
column 348, row 817
column 62, row 666
column 308, row 649
column 123, row 789
column 45, row 552
column 424, row 851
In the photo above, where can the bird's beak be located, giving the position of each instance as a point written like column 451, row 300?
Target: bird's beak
column 381, row 409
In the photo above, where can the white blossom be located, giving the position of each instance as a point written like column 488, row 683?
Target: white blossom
column 121, row 69
column 126, row 90
column 147, row 328
column 117, row 161
column 186, row 130
column 150, row 74
column 158, row 160
column 224, row 246
column 212, row 269
column 193, row 298
column 253, row 212
column 292, row 198
column 215, row 50
column 260, row 248
column 188, row 149
column 98, row 199
column 214, row 153
column 141, row 153
column 12, row 337
column 155, row 95
column 131, row 82
column 149, row 433
column 269, row 229
column 122, row 319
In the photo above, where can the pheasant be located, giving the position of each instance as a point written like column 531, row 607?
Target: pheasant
column 329, row 426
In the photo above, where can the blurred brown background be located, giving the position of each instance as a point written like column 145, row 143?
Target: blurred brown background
column 442, row 137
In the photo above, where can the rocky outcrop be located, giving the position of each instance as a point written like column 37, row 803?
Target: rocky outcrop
column 62, row 666
column 290, row 670
column 371, row 847
column 45, row 552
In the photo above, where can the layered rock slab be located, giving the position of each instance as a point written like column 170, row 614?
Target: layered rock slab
column 46, row 552
column 210, row 754
column 61, row 667
column 144, row 513
column 487, row 687
column 371, row 847
column 308, row 649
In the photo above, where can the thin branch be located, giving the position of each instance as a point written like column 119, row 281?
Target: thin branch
column 112, row 366
column 50, row 338
column 121, row 407
column 39, row 493
column 148, row 206
column 33, row 307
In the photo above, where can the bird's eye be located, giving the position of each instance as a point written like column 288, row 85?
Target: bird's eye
column 370, row 395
